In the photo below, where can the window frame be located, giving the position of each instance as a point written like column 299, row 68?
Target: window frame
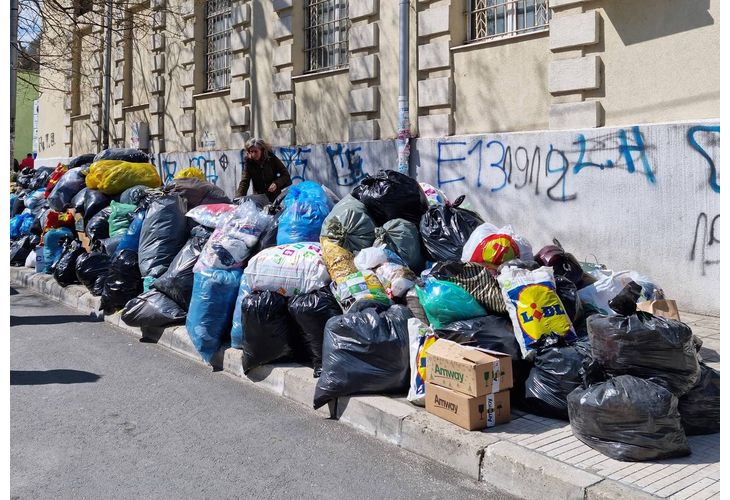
column 510, row 19
column 225, row 17
column 337, row 32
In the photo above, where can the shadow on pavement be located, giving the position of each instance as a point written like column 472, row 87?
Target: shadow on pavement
column 52, row 320
column 13, row 291
column 40, row 377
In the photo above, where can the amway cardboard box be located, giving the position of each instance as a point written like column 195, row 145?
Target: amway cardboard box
column 469, row 412
column 469, row 370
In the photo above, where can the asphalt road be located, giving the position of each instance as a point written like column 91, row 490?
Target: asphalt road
column 97, row 414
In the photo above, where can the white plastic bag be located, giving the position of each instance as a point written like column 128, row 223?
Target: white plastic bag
column 30, row 260
column 434, row 196
column 370, row 258
column 288, row 269
column 210, row 215
column 420, row 338
column 234, row 238
column 533, row 305
column 494, row 246
column 396, row 279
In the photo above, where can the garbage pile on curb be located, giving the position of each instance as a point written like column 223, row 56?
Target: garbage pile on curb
column 393, row 289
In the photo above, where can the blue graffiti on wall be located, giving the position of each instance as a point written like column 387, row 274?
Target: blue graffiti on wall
column 169, row 169
column 712, row 180
column 296, row 162
column 207, row 166
column 346, row 164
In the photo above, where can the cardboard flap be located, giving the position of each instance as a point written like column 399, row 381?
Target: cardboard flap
column 474, row 357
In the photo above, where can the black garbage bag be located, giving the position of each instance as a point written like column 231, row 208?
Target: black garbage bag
column 18, row 205
column 123, row 154
column 66, row 189
column 153, row 309
column 629, row 419
column 391, row 195
column 445, row 230
column 311, row 311
column 92, row 269
column 269, row 330
column 164, row 233
column 563, row 264
column 64, row 271
column 36, row 228
column 645, row 346
column 110, row 244
column 94, row 202
column 568, row 295
column 487, row 332
column 475, row 279
column 177, row 281
column 20, row 249
column 77, row 202
column 81, row 161
column 555, row 374
column 134, row 195
column 97, row 228
column 122, row 283
column 699, row 409
column 196, row 191
column 364, row 352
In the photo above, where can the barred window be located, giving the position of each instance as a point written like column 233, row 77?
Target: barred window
column 325, row 34
column 490, row 19
column 218, row 43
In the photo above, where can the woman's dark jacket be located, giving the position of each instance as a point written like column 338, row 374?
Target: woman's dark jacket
column 262, row 174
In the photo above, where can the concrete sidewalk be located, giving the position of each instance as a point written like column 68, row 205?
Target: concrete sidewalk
column 532, row 457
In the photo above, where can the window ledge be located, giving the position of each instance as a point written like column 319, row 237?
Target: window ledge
column 498, row 40
column 212, row 93
column 135, row 107
column 320, row 74
column 81, row 117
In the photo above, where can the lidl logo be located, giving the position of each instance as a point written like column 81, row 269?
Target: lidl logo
column 425, row 342
column 496, row 249
column 540, row 311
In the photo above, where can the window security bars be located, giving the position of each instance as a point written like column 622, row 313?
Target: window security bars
column 325, row 35
column 218, row 38
column 492, row 19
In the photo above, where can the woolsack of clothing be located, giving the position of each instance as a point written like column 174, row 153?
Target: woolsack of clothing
column 262, row 174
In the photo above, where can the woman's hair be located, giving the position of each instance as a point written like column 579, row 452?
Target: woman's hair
column 261, row 144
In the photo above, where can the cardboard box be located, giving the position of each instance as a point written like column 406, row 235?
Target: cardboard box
column 469, row 370
column 468, row 412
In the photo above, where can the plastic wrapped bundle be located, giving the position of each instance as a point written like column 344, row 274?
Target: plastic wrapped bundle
column 65, row 270
column 53, row 242
column 210, row 215
column 288, row 269
column 402, row 237
column 699, row 409
column 391, row 195
column 270, row 330
column 311, row 311
column 92, row 269
column 153, row 309
column 67, row 187
column 364, row 352
column 446, row 228
column 645, row 346
column 211, row 309
column 305, row 208
column 349, row 225
column 177, row 281
column 492, row 247
column 163, row 234
column 556, row 374
column 234, row 239
column 237, row 330
column 629, row 419
column 446, row 302
column 122, row 283
column 533, row 305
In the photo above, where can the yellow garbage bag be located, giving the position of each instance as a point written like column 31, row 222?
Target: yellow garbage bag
column 340, row 262
column 97, row 171
column 191, row 172
column 125, row 174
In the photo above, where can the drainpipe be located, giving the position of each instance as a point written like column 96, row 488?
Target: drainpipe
column 13, row 66
column 404, row 125
column 107, row 75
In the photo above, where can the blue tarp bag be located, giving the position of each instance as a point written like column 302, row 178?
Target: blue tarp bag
column 130, row 240
column 53, row 246
column 237, row 330
column 20, row 225
column 211, row 309
column 306, row 205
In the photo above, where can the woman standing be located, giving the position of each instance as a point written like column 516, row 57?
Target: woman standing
column 262, row 168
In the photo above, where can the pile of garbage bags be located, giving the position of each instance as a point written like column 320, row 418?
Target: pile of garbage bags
column 358, row 288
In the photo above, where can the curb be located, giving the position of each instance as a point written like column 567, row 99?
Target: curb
column 481, row 456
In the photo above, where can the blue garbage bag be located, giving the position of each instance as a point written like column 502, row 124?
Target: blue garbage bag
column 211, row 309
column 26, row 224
column 130, row 240
column 53, row 246
column 237, row 330
column 17, row 224
column 306, row 205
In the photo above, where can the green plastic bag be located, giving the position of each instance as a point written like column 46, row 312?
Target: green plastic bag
column 403, row 238
column 119, row 219
column 446, row 302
